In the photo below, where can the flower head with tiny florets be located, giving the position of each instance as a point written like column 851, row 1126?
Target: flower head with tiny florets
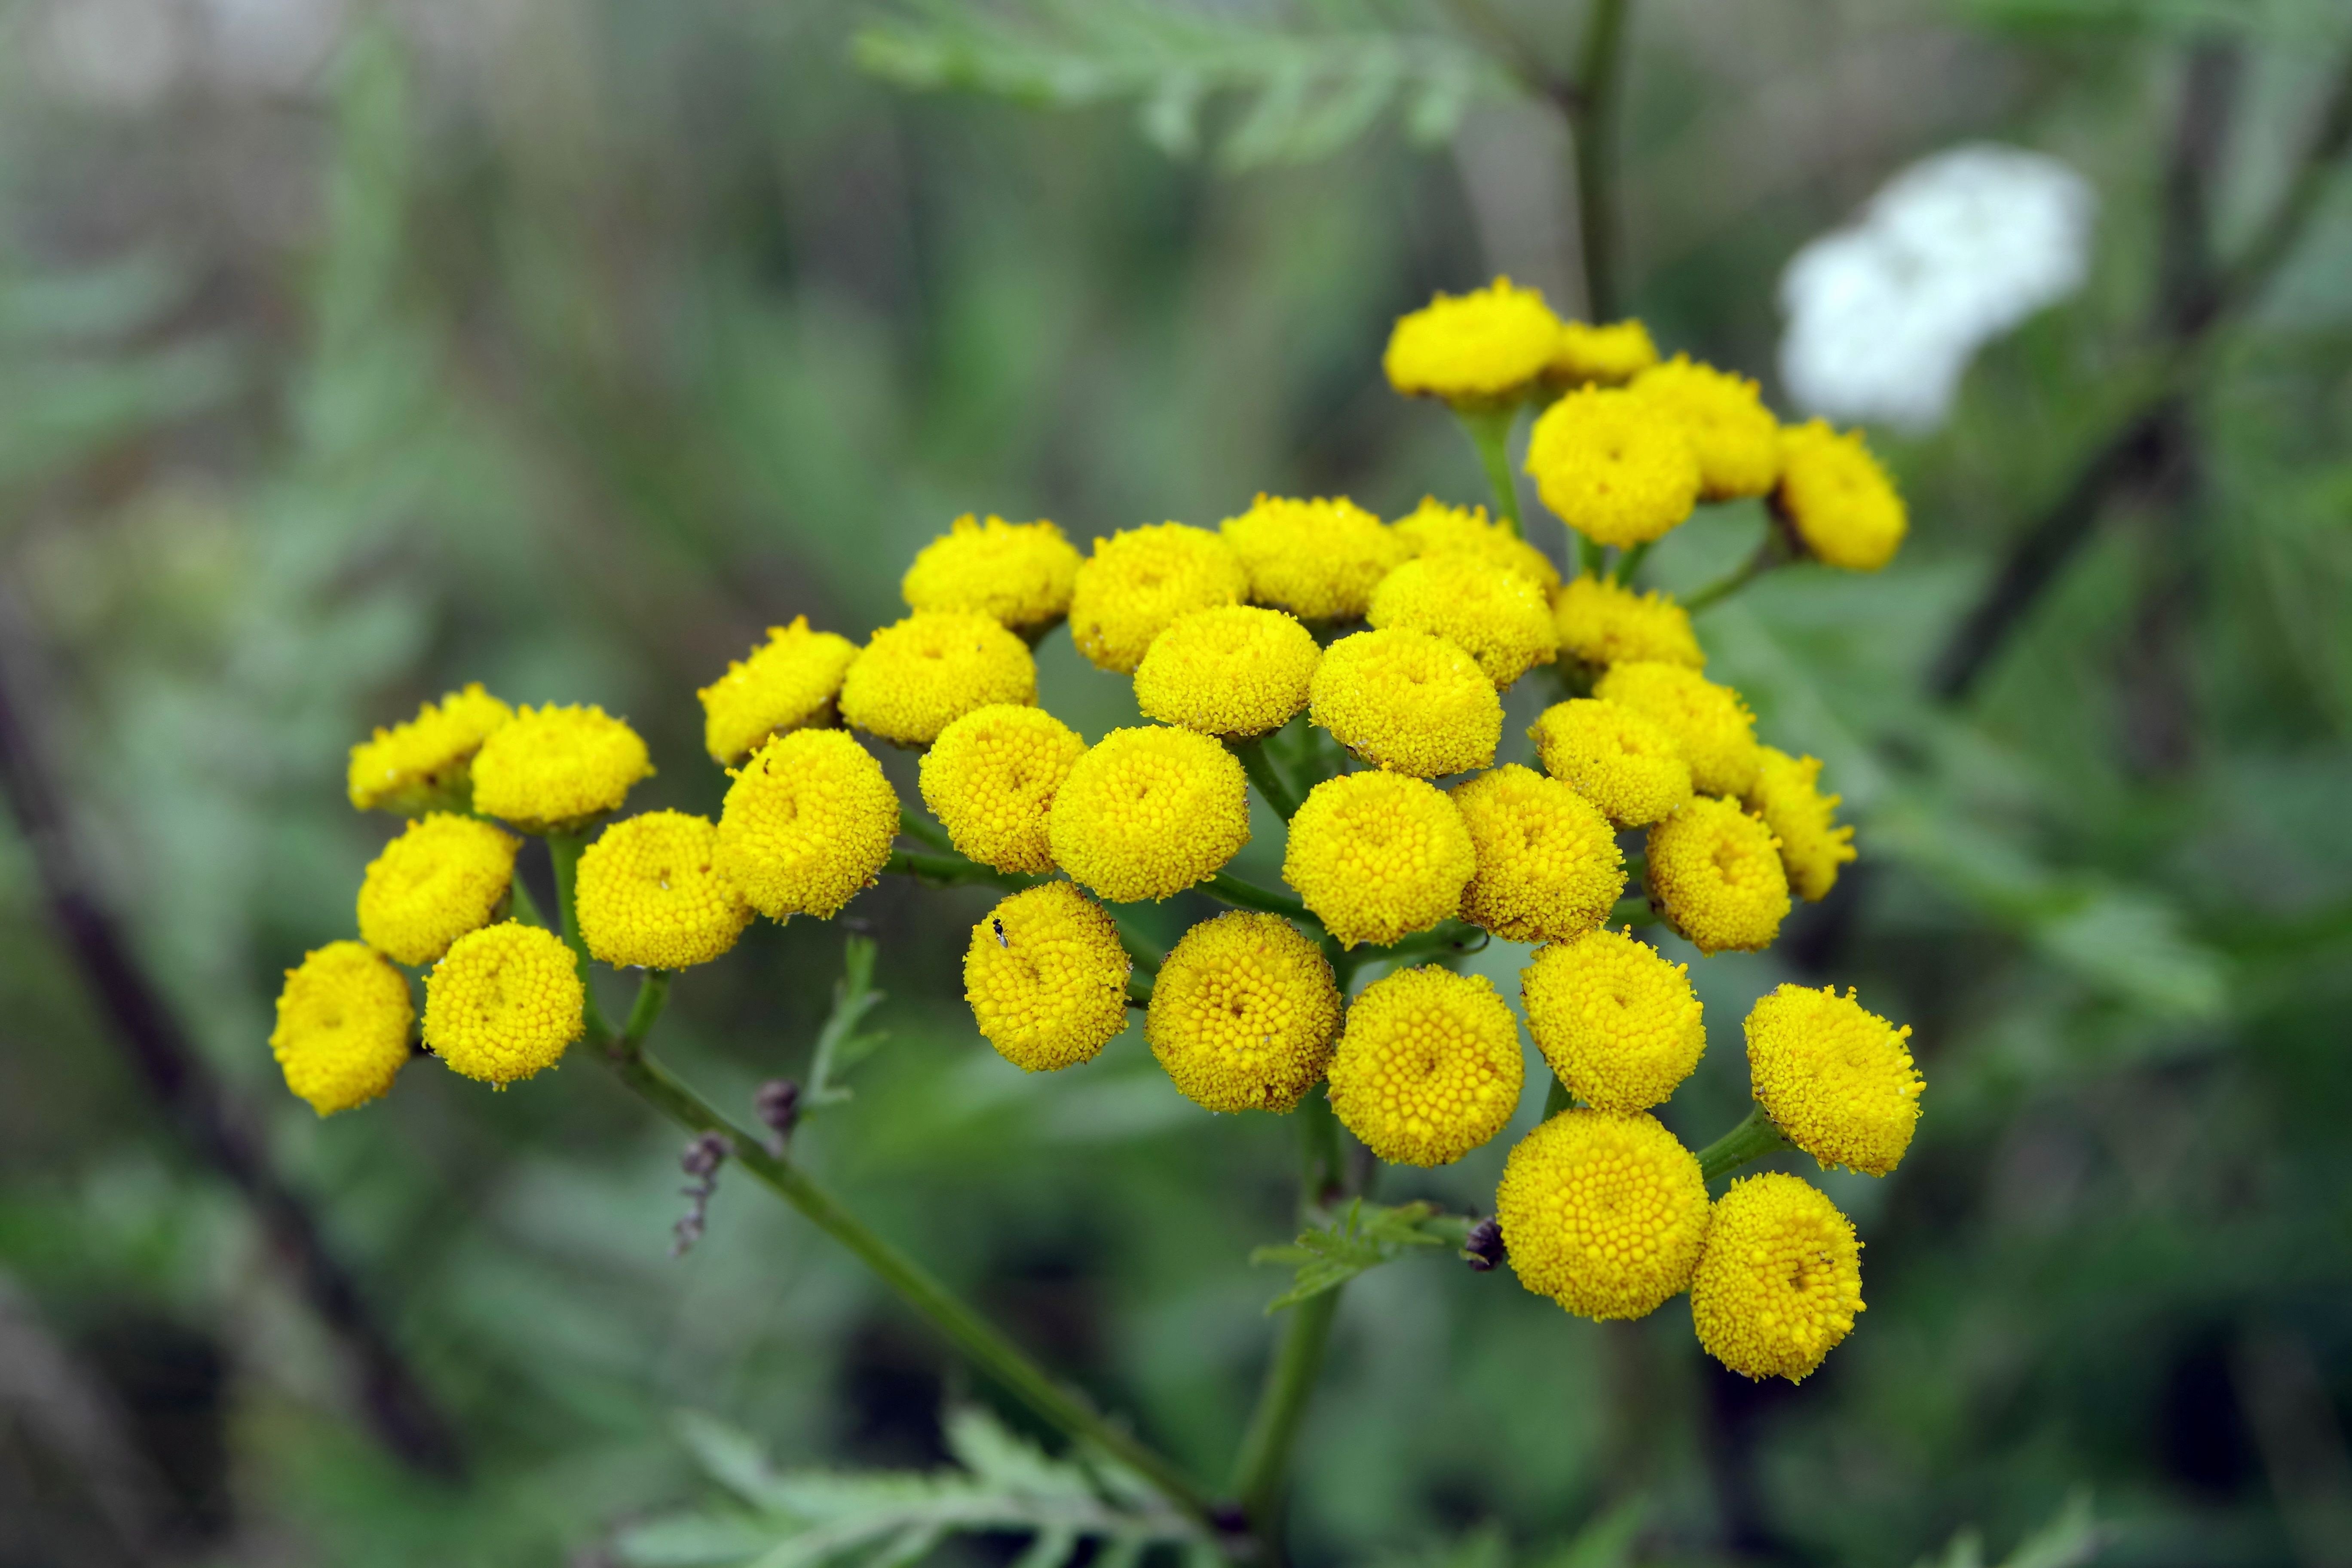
column 1613, row 466
column 1609, row 354
column 415, row 766
column 1428, row 1067
column 650, row 894
column 1139, row 580
column 1046, row 978
column 1711, row 727
column 1492, row 614
column 1602, row 623
column 806, row 823
column 1624, row 764
column 1736, row 438
column 1549, row 866
column 555, row 769
column 503, row 1002
column 915, row 678
column 1835, row 1076
column 1787, row 795
column 1234, row 671
column 1408, row 702
column 1475, row 348
column 1320, row 559
column 1376, row 856
column 1243, row 1013
column 1619, row 1024
column 1604, row 1212
column 1780, row 1281
column 991, row 777
column 342, row 1027
column 1020, row 573
column 1149, row 812
column 1717, row 876
column 789, row 682
column 1838, row 499
column 1435, row 529
column 443, row 877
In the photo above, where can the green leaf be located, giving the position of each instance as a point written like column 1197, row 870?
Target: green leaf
column 839, row 1045
column 1364, row 1235
column 2068, row 1540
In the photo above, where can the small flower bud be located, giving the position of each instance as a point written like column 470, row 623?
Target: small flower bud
column 1483, row 1249
column 778, row 1106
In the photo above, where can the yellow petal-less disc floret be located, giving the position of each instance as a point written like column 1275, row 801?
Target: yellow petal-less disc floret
column 1549, row 866
column 1711, row 727
column 789, row 682
column 1149, row 812
column 1139, row 580
column 554, row 769
column 1613, row 466
column 1623, row 762
column 1435, row 529
column 1602, row 624
column 1046, row 978
column 1378, row 856
column 1409, row 703
column 1837, row 498
column 1717, row 876
column 1620, row 1025
column 503, row 1002
column 412, row 767
column 1243, row 1013
column 1787, row 795
column 1019, row 574
column 1495, row 615
column 1318, row 559
column 650, row 894
column 1609, row 355
column 806, row 823
column 1836, row 1078
column 1428, row 1067
column 1234, row 670
column 342, row 1027
column 1473, row 348
column 991, row 777
column 1779, row 1281
column 915, row 678
column 1603, row 1212
column 442, row 877
column 1736, row 438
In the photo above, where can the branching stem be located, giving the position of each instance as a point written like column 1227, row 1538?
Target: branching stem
column 1753, row 1140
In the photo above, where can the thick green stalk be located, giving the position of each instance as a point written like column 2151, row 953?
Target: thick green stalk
column 1589, row 559
column 1250, row 896
column 951, row 871
column 1753, row 1140
column 1490, row 431
column 1768, row 555
column 923, row 830
column 1556, row 1099
column 1634, row 911
column 1599, row 79
column 564, row 849
column 1266, row 776
column 1629, row 561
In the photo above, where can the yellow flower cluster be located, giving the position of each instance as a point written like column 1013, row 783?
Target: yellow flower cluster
column 1243, row 1013
column 990, row 778
column 442, row 877
column 1779, row 1283
column 1019, row 574
column 342, row 1027
column 504, row 1002
column 1148, row 813
column 1046, row 978
column 1604, row 1212
column 650, row 894
column 790, row 682
column 1428, row 1067
column 1319, row 560
column 424, row 762
column 913, row 680
column 550, row 769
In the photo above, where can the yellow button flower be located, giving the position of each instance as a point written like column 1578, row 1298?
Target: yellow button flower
column 1780, row 1281
column 555, row 769
column 1548, row 867
column 1139, row 580
column 1711, row 727
column 650, row 894
column 1736, row 438
column 1495, row 615
column 342, row 1027
column 1613, row 467
column 442, row 877
column 1046, row 978
column 1020, row 573
column 1234, row 670
column 1603, row 624
column 1610, row 355
column 1377, row 857
column 1715, row 873
column 1409, row 703
column 1435, row 529
column 789, row 682
column 1603, row 1212
column 1619, row 1024
column 806, row 824
column 915, row 678
column 1623, row 762
column 1318, row 559
column 424, row 762
column 1837, row 1079
column 1787, row 795
column 990, row 778
column 1428, row 1067
column 503, row 1002
column 1243, row 1013
column 1839, row 499
column 1148, row 813
column 1475, row 348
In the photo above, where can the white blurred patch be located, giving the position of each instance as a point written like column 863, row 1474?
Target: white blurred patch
column 118, row 54
column 273, row 46
column 1952, row 252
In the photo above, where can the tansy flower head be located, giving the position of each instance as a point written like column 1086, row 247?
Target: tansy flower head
column 1613, row 466
column 1779, row 1281
column 1549, row 868
column 1715, row 873
column 1787, row 795
column 1435, row 529
column 442, row 877
column 1409, row 703
column 1243, row 1013
column 342, row 1027
column 1046, row 978
column 1610, row 355
column 806, row 823
column 1839, row 499
column 1020, row 573
column 1139, row 580
column 553, row 769
column 1837, row 1079
column 1623, row 762
column 1492, row 614
column 503, row 1002
column 1618, row 1023
column 1603, row 1212
column 990, row 779
column 1378, row 856
column 423, row 763
column 1149, row 812
column 915, row 679
column 650, row 894
column 1473, row 348
column 1428, row 1065
column 1232, row 670
column 1604, row 623
column 1318, row 559
column 1736, row 438
column 788, row 682
column 1711, row 727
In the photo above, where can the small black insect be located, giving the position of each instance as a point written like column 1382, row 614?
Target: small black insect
column 1001, row 940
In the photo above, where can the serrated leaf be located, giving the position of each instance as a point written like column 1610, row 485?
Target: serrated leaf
column 731, row 1456
column 995, row 1454
column 1363, row 1237
column 692, row 1539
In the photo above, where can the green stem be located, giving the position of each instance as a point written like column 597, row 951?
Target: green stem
column 1556, row 1099
column 1489, row 429
column 523, row 907
column 923, row 830
column 564, row 849
column 1147, row 957
column 1250, row 896
column 653, row 995
column 1636, row 911
column 1630, row 562
column 1588, row 558
column 1753, row 1140
column 1768, row 555
column 1139, row 993
column 1598, row 77
column 952, row 870
column 1266, row 776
